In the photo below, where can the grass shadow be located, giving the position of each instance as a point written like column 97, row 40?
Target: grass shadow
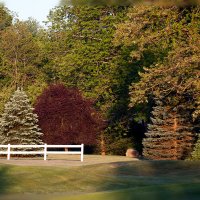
column 157, row 174
column 152, row 180
column 5, row 182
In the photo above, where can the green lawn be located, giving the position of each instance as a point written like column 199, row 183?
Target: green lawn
column 164, row 192
column 112, row 181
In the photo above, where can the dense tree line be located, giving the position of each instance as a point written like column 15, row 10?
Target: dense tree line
column 168, row 42
column 128, row 59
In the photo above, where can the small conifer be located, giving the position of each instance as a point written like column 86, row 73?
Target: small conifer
column 18, row 124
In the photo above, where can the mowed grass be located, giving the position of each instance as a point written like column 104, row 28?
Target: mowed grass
column 163, row 192
column 112, row 181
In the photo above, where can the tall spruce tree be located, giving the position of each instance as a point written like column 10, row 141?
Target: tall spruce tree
column 169, row 137
column 18, row 124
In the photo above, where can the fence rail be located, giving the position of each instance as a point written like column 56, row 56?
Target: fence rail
column 45, row 151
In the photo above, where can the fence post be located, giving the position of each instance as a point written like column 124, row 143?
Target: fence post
column 82, row 152
column 8, row 153
column 45, row 151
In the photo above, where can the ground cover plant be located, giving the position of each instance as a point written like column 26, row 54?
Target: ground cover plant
column 119, row 180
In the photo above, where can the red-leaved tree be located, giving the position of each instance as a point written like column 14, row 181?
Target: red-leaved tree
column 66, row 118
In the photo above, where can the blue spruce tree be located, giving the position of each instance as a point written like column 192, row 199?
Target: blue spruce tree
column 169, row 136
column 18, row 124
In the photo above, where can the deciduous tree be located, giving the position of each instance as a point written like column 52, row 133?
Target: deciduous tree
column 21, row 59
column 20, row 53
column 171, row 35
column 82, row 52
column 5, row 17
column 66, row 118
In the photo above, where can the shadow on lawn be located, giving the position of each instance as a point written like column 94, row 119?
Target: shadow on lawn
column 154, row 180
column 4, row 179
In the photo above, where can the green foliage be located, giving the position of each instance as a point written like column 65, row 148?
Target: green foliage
column 20, row 61
column 116, row 139
column 196, row 152
column 18, row 124
column 116, row 55
column 5, row 17
column 119, row 146
column 181, row 3
column 173, row 37
column 165, row 43
column 96, row 3
column 82, row 51
column 83, row 56
column 5, row 94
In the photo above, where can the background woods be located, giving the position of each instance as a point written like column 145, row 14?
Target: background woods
column 99, row 74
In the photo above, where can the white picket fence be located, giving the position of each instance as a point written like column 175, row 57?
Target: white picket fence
column 45, row 151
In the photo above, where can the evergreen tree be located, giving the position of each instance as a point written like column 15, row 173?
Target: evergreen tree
column 18, row 124
column 169, row 137
column 196, row 152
